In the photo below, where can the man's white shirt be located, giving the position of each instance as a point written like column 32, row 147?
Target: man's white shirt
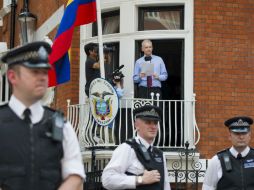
column 124, row 159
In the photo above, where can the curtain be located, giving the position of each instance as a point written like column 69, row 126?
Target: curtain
column 164, row 20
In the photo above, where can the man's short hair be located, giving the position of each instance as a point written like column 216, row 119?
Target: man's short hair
column 90, row 47
column 146, row 41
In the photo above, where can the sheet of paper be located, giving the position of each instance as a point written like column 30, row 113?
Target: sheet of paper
column 147, row 68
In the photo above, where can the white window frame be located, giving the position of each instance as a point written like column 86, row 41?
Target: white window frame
column 6, row 3
column 129, row 34
column 4, row 87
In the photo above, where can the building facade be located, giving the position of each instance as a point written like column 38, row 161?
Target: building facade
column 207, row 46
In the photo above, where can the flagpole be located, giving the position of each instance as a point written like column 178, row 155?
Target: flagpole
column 101, row 56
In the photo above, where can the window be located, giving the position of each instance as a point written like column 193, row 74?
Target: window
column 6, row 3
column 161, row 18
column 4, row 87
column 171, row 51
column 110, row 23
column 111, row 55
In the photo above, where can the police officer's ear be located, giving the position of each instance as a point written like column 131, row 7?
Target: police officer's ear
column 229, row 135
column 12, row 74
column 136, row 124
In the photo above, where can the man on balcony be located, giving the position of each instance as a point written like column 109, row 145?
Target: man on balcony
column 93, row 68
column 149, row 71
column 137, row 164
column 92, row 64
column 39, row 149
column 233, row 168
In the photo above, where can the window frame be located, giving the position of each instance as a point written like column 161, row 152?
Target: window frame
column 141, row 11
column 103, row 16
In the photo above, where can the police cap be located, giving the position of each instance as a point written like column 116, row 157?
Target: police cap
column 239, row 124
column 148, row 112
column 31, row 55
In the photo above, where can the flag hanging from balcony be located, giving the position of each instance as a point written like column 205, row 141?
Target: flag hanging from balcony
column 77, row 12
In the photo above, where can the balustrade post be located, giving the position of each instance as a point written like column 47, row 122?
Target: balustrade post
column 68, row 108
column 186, row 163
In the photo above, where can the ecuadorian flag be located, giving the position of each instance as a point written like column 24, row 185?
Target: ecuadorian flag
column 77, row 12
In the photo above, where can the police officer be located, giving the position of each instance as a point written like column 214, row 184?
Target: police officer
column 137, row 164
column 233, row 168
column 39, row 150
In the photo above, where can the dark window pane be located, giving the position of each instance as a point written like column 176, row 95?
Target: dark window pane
column 110, row 23
column 111, row 58
column 161, row 18
column 172, row 53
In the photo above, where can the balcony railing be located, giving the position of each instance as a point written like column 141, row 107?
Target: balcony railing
column 178, row 124
column 186, row 171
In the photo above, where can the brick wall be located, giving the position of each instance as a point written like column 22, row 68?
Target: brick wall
column 70, row 90
column 223, row 64
column 43, row 10
column 223, row 67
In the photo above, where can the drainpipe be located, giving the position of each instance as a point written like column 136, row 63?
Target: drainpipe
column 12, row 27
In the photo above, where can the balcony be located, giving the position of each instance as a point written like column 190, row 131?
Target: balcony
column 178, row 124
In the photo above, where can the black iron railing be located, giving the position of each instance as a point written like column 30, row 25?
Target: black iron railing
column 185, row 172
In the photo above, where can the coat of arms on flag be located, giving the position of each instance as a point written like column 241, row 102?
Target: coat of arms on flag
column 103, row 101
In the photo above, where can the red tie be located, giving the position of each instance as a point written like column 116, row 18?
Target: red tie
column 149, row 81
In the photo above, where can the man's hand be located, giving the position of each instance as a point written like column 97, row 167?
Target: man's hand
column 117, row 83
column 156, row 76
column 96, row 65
column 150, row 177
column 141, row 75
column 107, row 58
column 73, row 182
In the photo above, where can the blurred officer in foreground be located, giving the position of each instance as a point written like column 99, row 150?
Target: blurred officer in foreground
column 136, row 164
column 233, row 168
column 39, row 149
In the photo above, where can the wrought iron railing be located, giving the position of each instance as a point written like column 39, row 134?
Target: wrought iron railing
column 185, row 173
column 178, row 124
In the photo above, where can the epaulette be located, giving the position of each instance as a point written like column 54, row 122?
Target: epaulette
column 48, row 108
column 54, row 111
column 222, row 151
column 130, row 141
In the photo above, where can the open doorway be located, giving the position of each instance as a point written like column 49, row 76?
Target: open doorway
column 171, row 51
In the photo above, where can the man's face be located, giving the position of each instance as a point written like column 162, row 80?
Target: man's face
column 147, row 48
column 240, row 140
column 94, row 53
column 147, row 129
column 29, row 85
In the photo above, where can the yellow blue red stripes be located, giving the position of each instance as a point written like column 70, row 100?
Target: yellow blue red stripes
column 77, row 12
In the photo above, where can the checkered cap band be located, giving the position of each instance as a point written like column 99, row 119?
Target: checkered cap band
column 240, row 123
column 151, row 113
